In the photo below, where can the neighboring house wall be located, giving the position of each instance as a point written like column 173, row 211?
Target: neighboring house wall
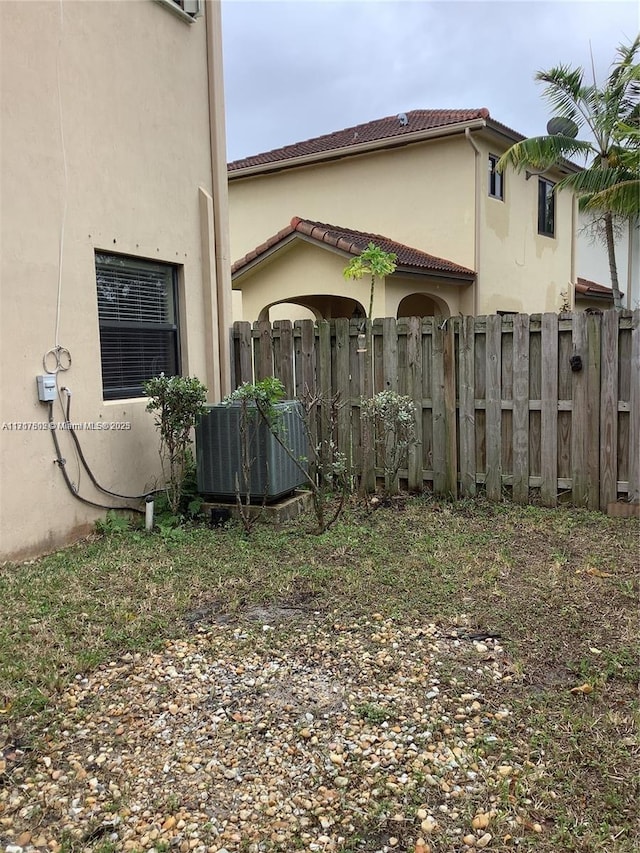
column 431, row 195
column 593, row 259
column 105, row 147
column 307, row 271
column 519, row 269
column 421, row 195
column 299, row 269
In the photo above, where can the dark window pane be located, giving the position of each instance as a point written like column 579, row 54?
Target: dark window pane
column 496, row 186
column 138, row 328
column 546, row 208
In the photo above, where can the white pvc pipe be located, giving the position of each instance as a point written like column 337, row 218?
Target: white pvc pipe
column 148, row 514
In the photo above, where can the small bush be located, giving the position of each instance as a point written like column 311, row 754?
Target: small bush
column 179, row 403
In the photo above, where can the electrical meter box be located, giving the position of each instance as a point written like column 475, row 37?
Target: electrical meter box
column 46, row 388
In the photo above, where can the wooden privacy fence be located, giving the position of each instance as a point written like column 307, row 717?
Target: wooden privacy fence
column 545, row 405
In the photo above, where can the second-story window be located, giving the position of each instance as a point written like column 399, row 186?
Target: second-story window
column 191, row 7
column 546, row 208
column 496, row 179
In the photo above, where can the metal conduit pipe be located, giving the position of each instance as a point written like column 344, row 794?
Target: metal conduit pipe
column 476, row 228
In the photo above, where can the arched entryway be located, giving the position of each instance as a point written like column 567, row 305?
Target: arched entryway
column 323, row 307
column 422, row 305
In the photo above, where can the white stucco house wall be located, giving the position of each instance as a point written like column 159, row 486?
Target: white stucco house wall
column 593, row 259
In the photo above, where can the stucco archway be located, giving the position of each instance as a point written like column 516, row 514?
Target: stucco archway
column 422, row 305
column 323, row 307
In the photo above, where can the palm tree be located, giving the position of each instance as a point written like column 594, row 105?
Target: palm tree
column 610, row 181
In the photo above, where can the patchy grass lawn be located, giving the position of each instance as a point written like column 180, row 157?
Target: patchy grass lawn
column 559, row 587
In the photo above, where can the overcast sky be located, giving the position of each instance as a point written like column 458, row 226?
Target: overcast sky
column 295, row 70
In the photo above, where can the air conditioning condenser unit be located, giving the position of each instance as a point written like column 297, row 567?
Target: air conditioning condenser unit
column 274, row 473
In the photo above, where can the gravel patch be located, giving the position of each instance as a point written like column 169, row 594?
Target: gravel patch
column 276, row 735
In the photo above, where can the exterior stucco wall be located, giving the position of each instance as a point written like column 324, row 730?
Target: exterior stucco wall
column 301, row 269
column 593, row 260
column 521, row 270
column 450, row 299
column 421, row 195
column 117, row 95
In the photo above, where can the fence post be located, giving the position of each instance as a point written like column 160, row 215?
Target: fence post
column 494, row 407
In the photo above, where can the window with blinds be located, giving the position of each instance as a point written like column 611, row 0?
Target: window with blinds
column 137, row 314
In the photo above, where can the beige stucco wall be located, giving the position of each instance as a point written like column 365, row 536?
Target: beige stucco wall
column 119, row 91
column 304, row 269
column 423, row 195
column 521, row 270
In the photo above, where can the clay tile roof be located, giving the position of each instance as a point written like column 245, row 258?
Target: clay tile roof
column 380, row 129
column 353, row 242
column 584, row 287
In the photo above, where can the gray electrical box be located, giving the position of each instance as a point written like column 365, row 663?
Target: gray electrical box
column 46, row 388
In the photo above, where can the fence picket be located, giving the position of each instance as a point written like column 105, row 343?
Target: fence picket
column 244, row 370
column 284, row 366
column 342, row 387
column 520, row 414
column 593, row 409
column 549, row 411
column 324, row 375
column 580, row 414
column 633, row 489
column 264, row 350
column 451, row 440
column 307, row 356
column 467, row 407
column 493, row 411
column 389, row 354
column 608, row 409
column 414, row 390
column 439, row 434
